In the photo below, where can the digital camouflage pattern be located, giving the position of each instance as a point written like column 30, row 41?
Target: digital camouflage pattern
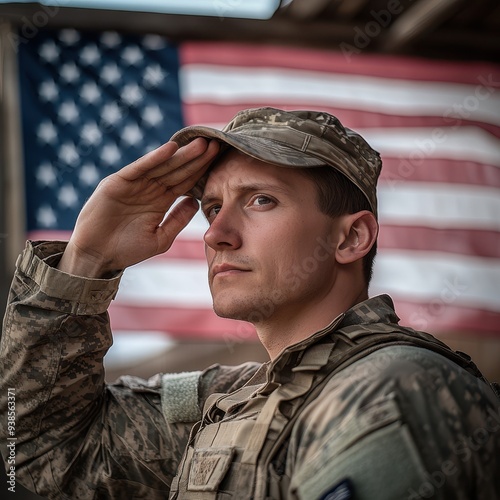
column 296, row 139
column 401, row 422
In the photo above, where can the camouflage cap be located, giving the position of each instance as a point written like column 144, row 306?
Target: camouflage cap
column 300, row 139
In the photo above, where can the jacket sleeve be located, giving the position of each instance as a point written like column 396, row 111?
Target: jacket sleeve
column 69, row 435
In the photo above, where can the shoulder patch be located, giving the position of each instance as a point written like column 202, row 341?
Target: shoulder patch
column 179, row 397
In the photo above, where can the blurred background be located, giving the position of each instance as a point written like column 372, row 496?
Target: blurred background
column 88, row 86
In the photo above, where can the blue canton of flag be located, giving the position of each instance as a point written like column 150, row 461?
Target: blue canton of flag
column 91, row 103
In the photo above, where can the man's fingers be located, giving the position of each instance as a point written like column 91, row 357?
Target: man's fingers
column 187, row 161
column 166, row 157
column 149, row 161
column 177, row 219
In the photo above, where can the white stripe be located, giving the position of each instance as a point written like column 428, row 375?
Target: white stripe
column 196, row 228
column 222, row 84
column 179, row 283
column 433, row 276
column 416, row 145
column 131, row 347
column 439, row 205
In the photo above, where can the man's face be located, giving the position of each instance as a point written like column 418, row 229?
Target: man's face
column 269, row 249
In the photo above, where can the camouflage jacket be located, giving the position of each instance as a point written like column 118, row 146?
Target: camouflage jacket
column 402, row 422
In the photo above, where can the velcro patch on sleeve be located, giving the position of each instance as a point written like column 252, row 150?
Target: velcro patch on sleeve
column 179, row 397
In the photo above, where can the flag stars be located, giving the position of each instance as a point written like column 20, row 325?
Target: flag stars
column 112, row 113
column 89, row 175
column 132, row 55
column 46, row 175
column 96, row 112
column 153, row 76
column 67, row 196
column 110, row 154
column 110, row 73
column 91, row 134
column 90, row 93
column 152, row 115
column 48, row 91
column 69, row 36
column 69, row 72
column 132, row 135
column 111, row 39
column 132, row 94
column 46, row 217
column 153, row 42
column 47, row 133
column 68, row 153
column 90, row 55
column 68, row 112
column 49, row 51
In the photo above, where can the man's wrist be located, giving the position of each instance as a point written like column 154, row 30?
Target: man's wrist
column 78, row 263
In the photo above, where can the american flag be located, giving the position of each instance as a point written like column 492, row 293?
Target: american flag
column 93, row 102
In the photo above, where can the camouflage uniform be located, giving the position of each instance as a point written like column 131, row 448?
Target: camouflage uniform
column 400, row 422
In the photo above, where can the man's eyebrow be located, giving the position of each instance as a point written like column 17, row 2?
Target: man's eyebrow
column 246, row 188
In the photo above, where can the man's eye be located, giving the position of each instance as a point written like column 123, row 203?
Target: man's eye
column 212, row 211
column 261, row 200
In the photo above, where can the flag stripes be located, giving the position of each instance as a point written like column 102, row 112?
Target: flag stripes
column 435, row 123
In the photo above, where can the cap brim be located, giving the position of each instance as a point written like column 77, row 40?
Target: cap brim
column 270, row 151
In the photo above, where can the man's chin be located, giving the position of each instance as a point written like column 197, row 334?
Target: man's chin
column 244, row 310
column 230, row 314
column 232, row 310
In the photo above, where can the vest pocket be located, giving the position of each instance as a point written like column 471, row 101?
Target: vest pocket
column 208, row 468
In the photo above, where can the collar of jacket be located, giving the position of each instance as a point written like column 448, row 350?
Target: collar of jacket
column 379, row 309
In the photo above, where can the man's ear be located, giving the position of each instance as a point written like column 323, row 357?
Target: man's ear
column 359, row 232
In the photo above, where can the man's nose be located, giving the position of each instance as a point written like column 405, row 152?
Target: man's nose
column 224, row 232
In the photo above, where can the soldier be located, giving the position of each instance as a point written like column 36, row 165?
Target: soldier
column 350, row 404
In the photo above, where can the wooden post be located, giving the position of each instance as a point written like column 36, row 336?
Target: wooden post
column 12, row 204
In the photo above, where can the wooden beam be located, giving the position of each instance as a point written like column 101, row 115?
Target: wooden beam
column 348, row 9
column 461, row 44
column 12, row 210
column 418, row 19
column 177, row 27
column 307, row 9
column 323, row 34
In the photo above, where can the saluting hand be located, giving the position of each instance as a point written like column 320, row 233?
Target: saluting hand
column 123, row 223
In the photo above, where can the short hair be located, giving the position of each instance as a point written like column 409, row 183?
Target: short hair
column 337, row 196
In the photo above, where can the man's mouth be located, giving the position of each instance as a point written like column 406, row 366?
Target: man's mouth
column 221, row 270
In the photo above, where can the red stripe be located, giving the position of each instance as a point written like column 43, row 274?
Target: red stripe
column 48, row 235
column 196, row 113
column 473, row 242
column 180, row 322
column 328, row 61
column 437, row 316
column 185, row 249
column 423, row 168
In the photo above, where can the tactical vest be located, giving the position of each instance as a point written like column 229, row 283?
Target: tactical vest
column 230, row 451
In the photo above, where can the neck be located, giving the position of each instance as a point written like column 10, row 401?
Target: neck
column 277, row 333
